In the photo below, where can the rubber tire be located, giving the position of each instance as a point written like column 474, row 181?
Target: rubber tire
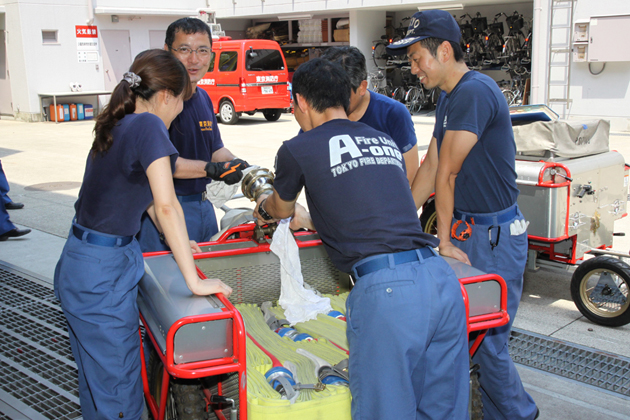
column 399, row 94
column 476, row 404
column 411, row 99
column 428, row 218
column 227, row 113
column 185, row 400
column 379, row 55
column 272, row 114
column 579, row 294
column 435, row 94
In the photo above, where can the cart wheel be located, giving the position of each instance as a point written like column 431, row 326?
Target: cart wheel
column 185, row 400
column 476, row 405
column 599, row 288
column 428, row 218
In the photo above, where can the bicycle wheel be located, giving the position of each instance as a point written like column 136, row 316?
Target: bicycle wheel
column 509, row 96
column 434, row 95
column 379, row 54
column 411, row 99
column 399, row 94
column 421, row 100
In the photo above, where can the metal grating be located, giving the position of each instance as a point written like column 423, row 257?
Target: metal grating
column 603, row 370
column 36, row 363
column 256, row 278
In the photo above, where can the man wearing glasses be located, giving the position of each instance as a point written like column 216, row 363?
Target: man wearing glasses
column 202, row 156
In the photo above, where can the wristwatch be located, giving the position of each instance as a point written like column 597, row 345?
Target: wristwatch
column 262, row 212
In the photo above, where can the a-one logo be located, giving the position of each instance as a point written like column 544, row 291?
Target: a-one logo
column 209, row 82
column 348, row 153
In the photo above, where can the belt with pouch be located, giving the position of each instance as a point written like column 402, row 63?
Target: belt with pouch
column 497, row 219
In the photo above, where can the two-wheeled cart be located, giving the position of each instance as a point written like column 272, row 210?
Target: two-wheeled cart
column 198, row 366
column 572, row 190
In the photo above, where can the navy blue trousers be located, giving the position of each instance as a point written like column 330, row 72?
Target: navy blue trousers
column 201, row 223
column 4, row 188
column 5, row 222
column 408, row 343
column 97, row 287
column 502, row 391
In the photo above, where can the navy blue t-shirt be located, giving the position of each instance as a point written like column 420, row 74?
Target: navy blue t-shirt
column 196, row 136
column 487, row 180
column 356, row 188
column 115, row 190
column 392, row 118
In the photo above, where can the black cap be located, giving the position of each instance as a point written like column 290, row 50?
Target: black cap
column 427, row 24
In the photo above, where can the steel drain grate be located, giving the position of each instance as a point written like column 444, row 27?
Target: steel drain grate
column 603, row 370
column 36, row 364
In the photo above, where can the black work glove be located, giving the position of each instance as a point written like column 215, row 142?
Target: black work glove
column 229, row 172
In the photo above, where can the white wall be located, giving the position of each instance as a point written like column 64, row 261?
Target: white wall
column 365, row 27
column 607, row 94
column 42, row 68
column 252, row 8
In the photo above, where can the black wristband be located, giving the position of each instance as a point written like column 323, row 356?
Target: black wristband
column 263, row 213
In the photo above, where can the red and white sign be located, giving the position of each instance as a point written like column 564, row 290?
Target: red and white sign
column 84, row 31
column 87, row 43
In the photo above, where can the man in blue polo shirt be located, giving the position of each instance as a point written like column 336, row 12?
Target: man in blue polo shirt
column 378, row 111
column 202, row 156
column 470, row 163
column 405, row 315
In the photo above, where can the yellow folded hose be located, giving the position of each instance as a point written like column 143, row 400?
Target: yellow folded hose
column 263, row 402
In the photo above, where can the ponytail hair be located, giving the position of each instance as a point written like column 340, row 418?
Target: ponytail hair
column 151, row 72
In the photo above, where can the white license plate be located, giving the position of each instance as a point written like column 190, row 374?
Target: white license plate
column 266, row 90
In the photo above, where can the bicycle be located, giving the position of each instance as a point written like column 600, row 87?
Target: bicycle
column 377, row 82
column 410, row 94
column 512, row 48
column 494, row 41
column 379, row 53
column 472, row 37
column 513, row 91
column 398, row 33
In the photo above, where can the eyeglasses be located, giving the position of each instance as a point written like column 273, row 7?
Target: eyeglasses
column 186, row 51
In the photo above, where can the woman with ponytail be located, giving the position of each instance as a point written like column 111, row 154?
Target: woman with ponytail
column 129, row 170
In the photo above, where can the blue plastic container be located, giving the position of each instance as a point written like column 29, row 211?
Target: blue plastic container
column 66, row 112
column 80, row 113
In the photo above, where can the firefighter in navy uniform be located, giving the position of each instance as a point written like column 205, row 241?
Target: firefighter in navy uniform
column 128, row 170
column 470, row 163
column 202, row 156
column 406, row 321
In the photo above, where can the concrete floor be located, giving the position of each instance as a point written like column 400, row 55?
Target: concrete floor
column 44, row 163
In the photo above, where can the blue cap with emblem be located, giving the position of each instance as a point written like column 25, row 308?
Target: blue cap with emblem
column 427, row 24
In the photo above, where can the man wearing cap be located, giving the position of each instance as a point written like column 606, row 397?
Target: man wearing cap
column 470, row 164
